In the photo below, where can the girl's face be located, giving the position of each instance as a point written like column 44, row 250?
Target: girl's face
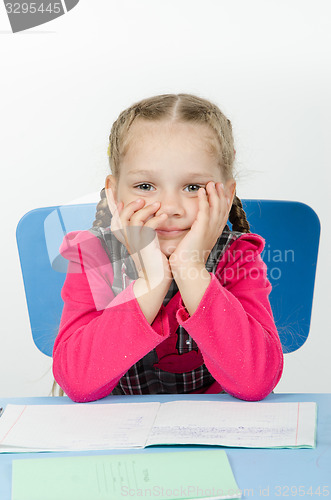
column 168, row 162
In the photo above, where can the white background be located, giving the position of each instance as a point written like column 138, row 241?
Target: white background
column 265, row 63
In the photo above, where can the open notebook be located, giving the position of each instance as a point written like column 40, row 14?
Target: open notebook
column 91, row 426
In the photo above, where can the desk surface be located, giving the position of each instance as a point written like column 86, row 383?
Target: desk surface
column 259, row 473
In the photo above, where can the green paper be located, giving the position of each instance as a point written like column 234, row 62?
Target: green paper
column 168, row 475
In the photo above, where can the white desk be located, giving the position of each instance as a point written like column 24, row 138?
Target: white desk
column 259, row 473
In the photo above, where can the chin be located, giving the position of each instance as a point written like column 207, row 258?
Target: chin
column 167, row 249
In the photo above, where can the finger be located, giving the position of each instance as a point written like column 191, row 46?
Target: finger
column 131, row 208
column 140, row 230
column 154, row 222
column 222, row 194
column 122, row 216
column 215, row 205
column 223, row 202
column 148, row 233
column 141, row 216
column 212, row 211
column 213, row 196
column 114, row 207
column 204, row 208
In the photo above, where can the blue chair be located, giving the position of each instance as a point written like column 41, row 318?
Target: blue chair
column 291, row 231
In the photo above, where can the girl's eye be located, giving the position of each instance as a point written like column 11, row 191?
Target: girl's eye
column 195, row 187
column 144, row 187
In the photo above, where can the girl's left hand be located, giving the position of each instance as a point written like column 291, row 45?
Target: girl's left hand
column 195, row 247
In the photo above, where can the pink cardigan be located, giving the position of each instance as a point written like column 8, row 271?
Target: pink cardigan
column 101, row 336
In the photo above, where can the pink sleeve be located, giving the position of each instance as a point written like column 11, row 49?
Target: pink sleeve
column 233, row 324
column 100, row 336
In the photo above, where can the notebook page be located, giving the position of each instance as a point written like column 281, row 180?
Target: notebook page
column 244, row 424
column 166, row 476
column 75, row 426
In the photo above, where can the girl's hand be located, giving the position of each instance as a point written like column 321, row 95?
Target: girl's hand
column 134, row 226
column 195, row 247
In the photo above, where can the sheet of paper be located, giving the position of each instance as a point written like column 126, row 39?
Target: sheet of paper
column 244, row 424
column 168, row 475
column 76, row 426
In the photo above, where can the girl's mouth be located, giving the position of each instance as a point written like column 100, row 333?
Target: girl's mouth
column 170, row 233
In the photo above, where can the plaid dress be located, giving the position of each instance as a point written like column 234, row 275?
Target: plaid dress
column 143, row 377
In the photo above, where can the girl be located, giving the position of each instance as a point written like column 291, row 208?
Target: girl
column 161, row 296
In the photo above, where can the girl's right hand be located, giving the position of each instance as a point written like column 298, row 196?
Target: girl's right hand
column 134, row 226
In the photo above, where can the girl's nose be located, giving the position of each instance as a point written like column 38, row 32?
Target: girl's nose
column 170, row 205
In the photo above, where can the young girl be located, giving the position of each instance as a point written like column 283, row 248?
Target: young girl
column 161, row 296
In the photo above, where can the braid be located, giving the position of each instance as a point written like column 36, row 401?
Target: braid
column 237, row 216
column 102, row 215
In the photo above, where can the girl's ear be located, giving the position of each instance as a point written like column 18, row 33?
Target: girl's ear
column 111, row 189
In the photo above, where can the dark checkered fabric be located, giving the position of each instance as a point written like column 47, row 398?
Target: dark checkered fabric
column 143, row 377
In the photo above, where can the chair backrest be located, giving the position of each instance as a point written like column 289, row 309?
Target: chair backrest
column 291, row 231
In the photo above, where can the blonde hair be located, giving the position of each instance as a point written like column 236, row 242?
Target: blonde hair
column 181, row 108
